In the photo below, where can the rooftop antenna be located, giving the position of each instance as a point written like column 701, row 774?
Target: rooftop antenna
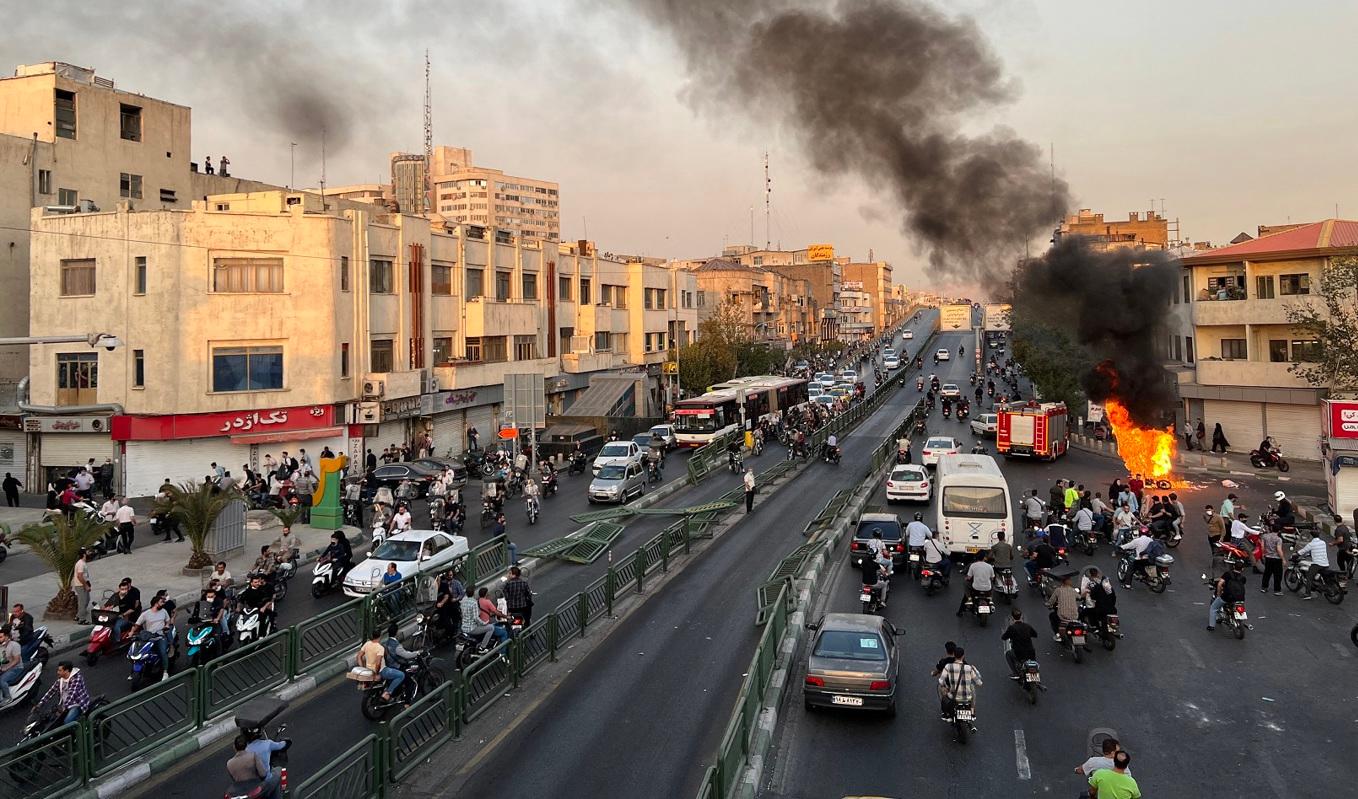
column 1051, row 155
column 323, row 206
column 428, row 137
column 768, row 195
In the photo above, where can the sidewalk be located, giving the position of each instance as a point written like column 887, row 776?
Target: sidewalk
column 154, row 565
column 1231, row 463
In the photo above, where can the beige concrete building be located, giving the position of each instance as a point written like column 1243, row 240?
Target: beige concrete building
column 874, row 279
column 1243, row 342
column 261, row 322
column 1138, row 230
column 470, row 194
column 775, row 308
column 407, row 183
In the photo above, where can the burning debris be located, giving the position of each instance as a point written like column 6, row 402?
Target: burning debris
column 1146, row 451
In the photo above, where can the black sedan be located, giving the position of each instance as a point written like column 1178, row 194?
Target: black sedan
column 437, row 465
column 392, row 474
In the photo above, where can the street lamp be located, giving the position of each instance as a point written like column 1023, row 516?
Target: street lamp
column 108, row 341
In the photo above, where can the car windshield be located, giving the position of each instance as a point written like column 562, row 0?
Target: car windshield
column 982, row 502
column 642, row 440
column 705, row 422
column 939, row 443
column 611, row 472
column 907, row 475
column 615, row 450
column 397, row 550
column 950, row 387
column 890, row 531
column 660, row 430
column 850, row 645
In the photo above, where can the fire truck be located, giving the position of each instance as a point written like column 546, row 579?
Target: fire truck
column 1033, row 430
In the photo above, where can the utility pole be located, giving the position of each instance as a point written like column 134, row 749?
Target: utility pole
column 292, row 165
column 428, row 139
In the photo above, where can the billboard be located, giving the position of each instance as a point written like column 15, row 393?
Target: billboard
column 954, row 317
column 997, row 317
column 820, row 252
column 1342, row 418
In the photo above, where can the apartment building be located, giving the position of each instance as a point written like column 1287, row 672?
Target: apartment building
column 872, row 278
column 773, row 307
column 468, row 194
column 817, row 265
column 1244, row 343
column 407, row 183
column 1137, row 230
column 268, row 321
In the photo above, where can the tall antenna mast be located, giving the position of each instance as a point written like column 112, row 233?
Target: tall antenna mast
column 323, row 168
column 768, row 195
column 1052, row 161
column 428, row 138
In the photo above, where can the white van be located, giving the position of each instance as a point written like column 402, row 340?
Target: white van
column 971, row 500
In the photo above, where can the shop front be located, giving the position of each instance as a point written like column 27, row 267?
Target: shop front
column 184, row 446
column 446, row 415
column 66, row 443
column 1341, row 457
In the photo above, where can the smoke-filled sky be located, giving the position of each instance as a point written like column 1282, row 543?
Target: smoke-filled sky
column 654, row 114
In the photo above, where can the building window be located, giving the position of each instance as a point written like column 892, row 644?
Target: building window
column 44, row 181
column 476, row 283
column 1188, row 288
column 1263, row 287
column 530, row 286
column 566, row 334
column 660, row 304
column 647, row 299
column 441, row 282
column 495, row 349
column 129, row 185
column 77, row 378
column 602, row 342
column 129, row 122
column 1291, row 285
column 69, row 197
column 472, row 349
column 344, row 273
column 443, row 349
column 1188, row 349
column 1277, row 350
column 382, row 355
column 584, row 291
column 139, row 278
column 139, row 368
column 702, row 299
column 1308, row 350
column 563, row 288
column 1233, row 349
column 77, row 277
column 247, row 275
column 380, row 276
column 344, row 359
column 168, row 196
column 1178, row 348
column 64, row 113
column 501, row 286
column 247, row 368
column 525, row 348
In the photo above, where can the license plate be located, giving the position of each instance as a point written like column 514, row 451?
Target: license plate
column 851, row 701
column 965, row 715
column 983, row 609
column 864, row 598
column 1079, row 640
column 914, row 557
column 1032, row 678
column 1242, row 615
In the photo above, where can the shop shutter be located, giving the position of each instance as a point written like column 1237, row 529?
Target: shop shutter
column 1242, row 422
column 482, row 417
column 74, row 449
column 150, row 462
column 449, row 433
column 390, row 434
column 14, row 452
column 1296, row 428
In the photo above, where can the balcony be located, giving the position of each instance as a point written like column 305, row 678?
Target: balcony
column 487, row 317
column 474, row 374
column 1250, row 312
column 580, row 362
column 1248, row 373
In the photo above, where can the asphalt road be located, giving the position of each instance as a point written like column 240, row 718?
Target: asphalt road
column 330, row 721
column 1265, row 716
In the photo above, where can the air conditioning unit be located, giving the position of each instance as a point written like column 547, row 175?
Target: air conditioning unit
column 369, row 413
column 429, row 384
column 373, row 389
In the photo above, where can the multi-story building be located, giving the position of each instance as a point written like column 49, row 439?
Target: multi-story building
column 477, row 195
column 1244, row 343
column 277, row 320
column 817, row 265
column 407, row 183
column 874, row 279
column 773, row 307
column 1150, row 230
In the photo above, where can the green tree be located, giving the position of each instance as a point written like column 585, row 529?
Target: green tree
column 287, row 516
column 57, row 544
column 1051, row 360
column 196, row 505
column 1333, row 323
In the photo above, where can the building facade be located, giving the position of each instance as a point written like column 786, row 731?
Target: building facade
column 1137, row 230
column 774, row 308
column 269, row 321
column 468, row 194
column 1244, row 343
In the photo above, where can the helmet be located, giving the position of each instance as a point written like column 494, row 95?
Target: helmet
column 919, row 517
column 1279, row 496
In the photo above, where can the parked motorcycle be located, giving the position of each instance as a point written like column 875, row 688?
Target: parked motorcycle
column 1260, row 460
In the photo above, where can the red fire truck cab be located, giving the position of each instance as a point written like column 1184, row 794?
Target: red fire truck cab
column 1033, row 430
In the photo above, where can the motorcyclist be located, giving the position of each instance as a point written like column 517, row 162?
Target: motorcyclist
column 1098, row 600
column 128, row 601
column 70, row 693
column 1228, row 589
column 1033, row 509
column 1285, row 513
column 1138, row 548
column 157, row 620
column 936, row 554
column 1064, row 603
column 1020, row 635
column 980, row 580
column 1001, row 553
column 397, row 655
column 259, row 596
column 831, row 445
column 872, row 575
column 1041, row 556
column 491, row 491
column 340, row 552
column 532, row 495
column 1320, row 562
column 957, row 682
column 916, row 533
column 1268, row 450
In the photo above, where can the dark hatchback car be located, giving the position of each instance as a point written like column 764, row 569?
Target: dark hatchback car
column 889, row 525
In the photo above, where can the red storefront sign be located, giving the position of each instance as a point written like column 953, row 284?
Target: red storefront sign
column 211, row 425
column 1343, row 418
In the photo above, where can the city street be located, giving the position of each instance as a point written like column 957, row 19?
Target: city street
column 329, row 721
column 1259, row 713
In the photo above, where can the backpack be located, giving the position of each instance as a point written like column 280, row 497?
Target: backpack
column 1155, row 549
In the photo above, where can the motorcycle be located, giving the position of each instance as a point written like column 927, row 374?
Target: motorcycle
column 532, row 508
column 931, row 577
column 251, row 625
column 919, row 384
column 1073, row 638
column 946, row 411
column 1006, row 587
column 734, row 462
column 204, row 640
column 831, row 454
column 422, row 677
column 326, row 575
column 252, row 719
column 981, row 606
column 1028, row 674
column 1155, row 575
column 147, row 667
column 902, row 455
column 487, row 512
column 1232, row 616
column 653, row 468
column 47, row 716
column 1260, row 460
column 963, row 413
column 101, row 637
column 870, row 599
column 437, row 513
column 578, row 464
column 1326, row 581
column 961, row 716
column 549, row 484
column 1106, row 630
column 1081, row 539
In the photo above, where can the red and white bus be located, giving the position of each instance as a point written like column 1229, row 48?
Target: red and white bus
column 701, row 419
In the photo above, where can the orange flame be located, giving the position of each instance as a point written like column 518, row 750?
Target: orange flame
column 1148, row 451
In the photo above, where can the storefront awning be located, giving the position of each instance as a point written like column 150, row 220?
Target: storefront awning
column 288, row 435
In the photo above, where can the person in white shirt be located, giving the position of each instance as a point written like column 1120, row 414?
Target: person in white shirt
column 1315, row 552
column 936, row 554
column 1093, row 764
column 1239, row 529
column 1084, row 520
column 980, row 580
column 1137, row 546
column 1033, row 509
column 437, row 489
column 126, row 520
column 110, row 509
column 521, row 462
column 916, row 532
column 1124, row 518
column 400, row 522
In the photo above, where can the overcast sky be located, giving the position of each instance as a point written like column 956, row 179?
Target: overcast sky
column 1235, row 113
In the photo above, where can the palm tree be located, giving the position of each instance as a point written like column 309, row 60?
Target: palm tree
column 57, row 543
column 196, row 505
column 287, row 515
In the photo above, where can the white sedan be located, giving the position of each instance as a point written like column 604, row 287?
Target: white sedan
column 827, row 379
column 943, row 354
column 908, row 335
column 413, row 552
column 908, row 482
column 939, row 445
column 950, row 390
column 985, row 425
column 617, row 452
column 891, row 362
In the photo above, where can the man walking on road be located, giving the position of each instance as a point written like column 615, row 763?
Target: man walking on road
column 749, row 489
column 12, row 485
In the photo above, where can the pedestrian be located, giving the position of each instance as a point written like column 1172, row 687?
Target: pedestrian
column 1272, row 546
column 1188, row 435
column 1201, row 434
column 127, row 523
column 518, row 596
column 1216, row 528
column 749, row 489
column 369, row 461
column 472, row 435
column 12, row 485
column 1219, row 442
column 80, row 583
column 218, row 472
column 304, row 462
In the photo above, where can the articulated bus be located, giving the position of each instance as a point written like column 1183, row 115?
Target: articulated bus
column 700, row 419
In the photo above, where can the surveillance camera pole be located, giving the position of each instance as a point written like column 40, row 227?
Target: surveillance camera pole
column 106, row 340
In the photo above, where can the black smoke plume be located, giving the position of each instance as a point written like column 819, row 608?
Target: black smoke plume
column 881, row 89
column 1114, row 304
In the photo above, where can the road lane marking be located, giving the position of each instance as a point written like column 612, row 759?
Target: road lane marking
column 1192, row 653
column 1021, row 755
